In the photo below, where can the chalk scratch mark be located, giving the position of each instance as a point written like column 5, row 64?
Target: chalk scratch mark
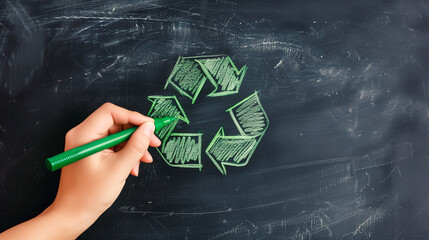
column 127, row 209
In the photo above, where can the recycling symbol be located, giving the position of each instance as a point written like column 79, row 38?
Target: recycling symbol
column 188, row 77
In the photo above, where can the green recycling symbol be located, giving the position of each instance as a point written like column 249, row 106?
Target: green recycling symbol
column 188, row 77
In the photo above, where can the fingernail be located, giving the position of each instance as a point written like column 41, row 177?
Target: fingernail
column 148, row 129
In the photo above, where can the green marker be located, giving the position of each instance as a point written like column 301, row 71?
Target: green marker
column 75, row 154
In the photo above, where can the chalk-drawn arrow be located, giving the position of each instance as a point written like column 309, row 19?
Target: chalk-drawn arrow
column 183, row 150
column 190, row 74
column 177, row 150
column 252, row 122
column 222, row 73
column 164, row 106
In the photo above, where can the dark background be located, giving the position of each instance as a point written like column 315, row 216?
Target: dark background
column 344, row 84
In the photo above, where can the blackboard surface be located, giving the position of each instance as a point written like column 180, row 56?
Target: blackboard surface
column 343, row 83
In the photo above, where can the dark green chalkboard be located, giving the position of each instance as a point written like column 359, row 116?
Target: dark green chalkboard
column 343, row 83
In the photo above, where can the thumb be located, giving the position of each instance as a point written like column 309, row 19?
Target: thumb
column 136, row 146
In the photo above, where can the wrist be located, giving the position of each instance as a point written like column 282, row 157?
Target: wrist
column 71, row 222
column 54, row 223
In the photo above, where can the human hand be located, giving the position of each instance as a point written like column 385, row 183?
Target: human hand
column 90, row 186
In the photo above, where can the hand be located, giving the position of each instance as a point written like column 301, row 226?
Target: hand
column 89, row 186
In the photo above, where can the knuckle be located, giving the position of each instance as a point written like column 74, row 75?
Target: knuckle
column 70, row 134
column 107, row 105
column 133, row 114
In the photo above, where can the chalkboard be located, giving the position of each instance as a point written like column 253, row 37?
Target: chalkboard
column 343, row 152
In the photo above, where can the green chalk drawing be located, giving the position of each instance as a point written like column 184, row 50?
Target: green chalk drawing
column 177, row 149
column 249, row 116
column 190, row 74
column 183, row 150
column 223, row 74
column 164, row 106
column 230, row 150
column 252, row 122
column 188, row 77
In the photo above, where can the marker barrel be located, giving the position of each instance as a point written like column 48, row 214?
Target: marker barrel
column 75, row 154
column 68, row 157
